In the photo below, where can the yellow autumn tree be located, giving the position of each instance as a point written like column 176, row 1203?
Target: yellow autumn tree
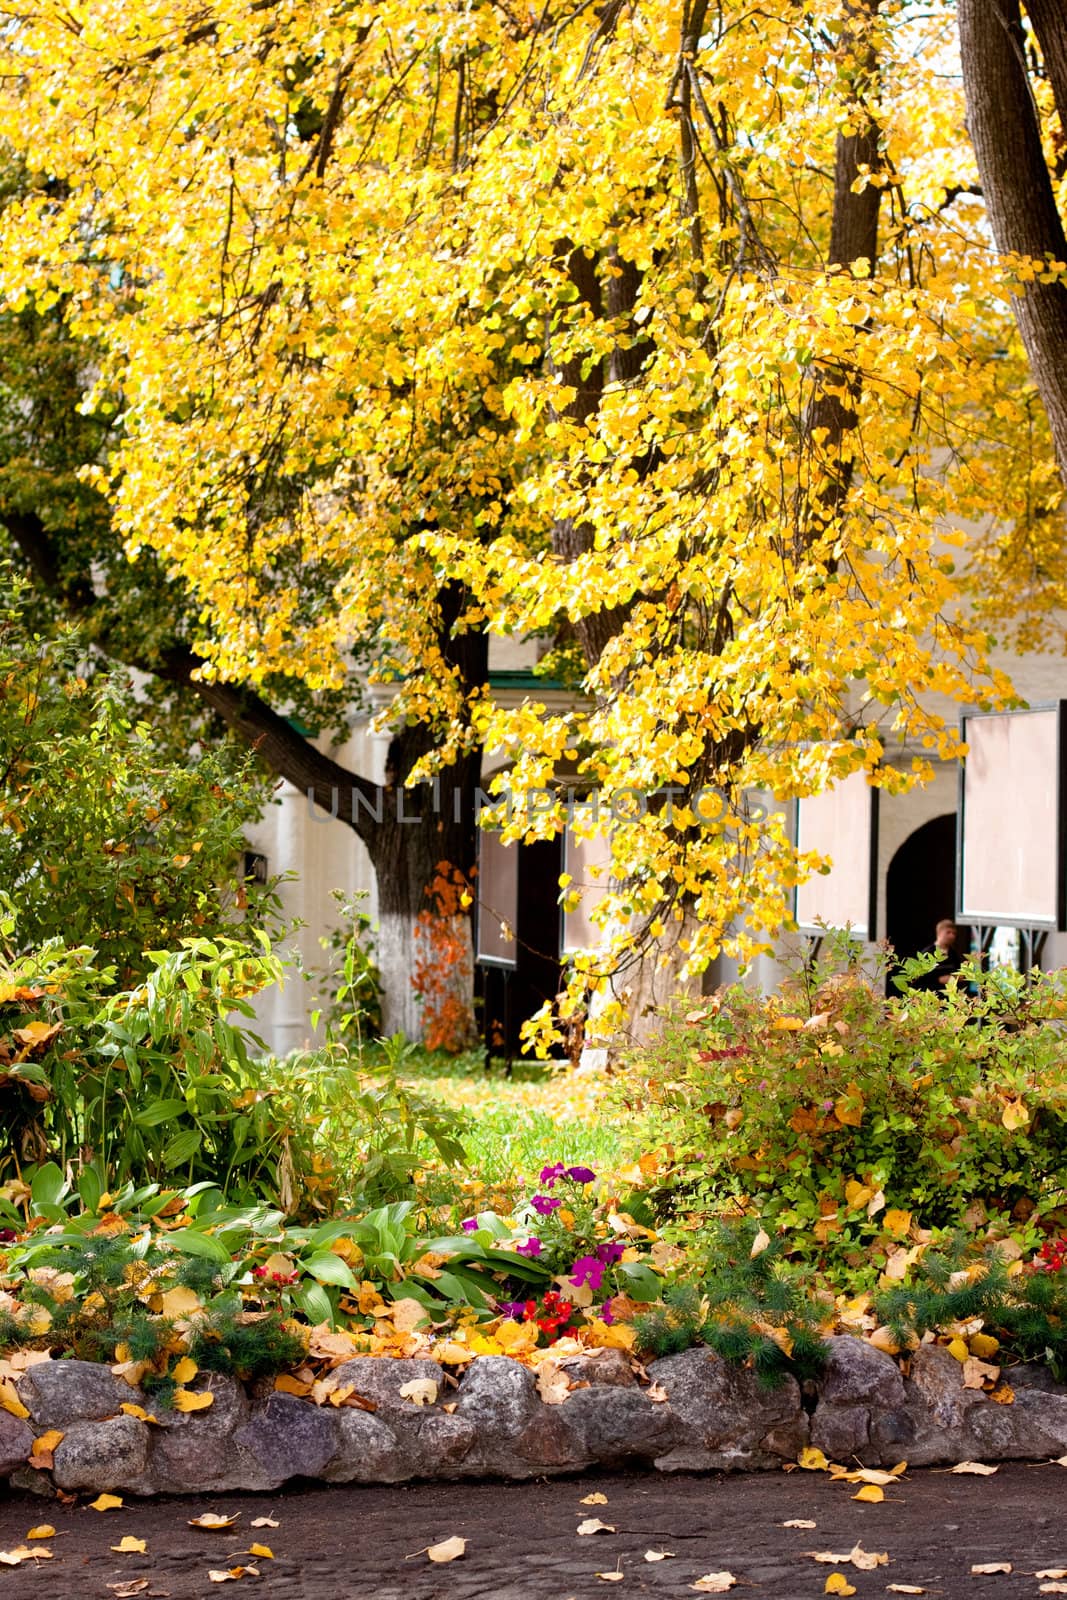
column 667, row 326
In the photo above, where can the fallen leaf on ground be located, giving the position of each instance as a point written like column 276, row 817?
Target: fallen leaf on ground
column 594, row 1525
column 47, row 1442
column 285, row 1383
column 799, row 1522
column 265, row 1522
column 212, row 1519
column 45, row 1530
column 22, row 1552
column 9, row 1399
column 837, row 1583
column 812, row 1460
column 125, row 1591
column 977, row 1469
column 863, row 1560
column 602, row 1499
column 870, row 1493
column 1046, row 1572
column 217, row 1575
column 873, row 1475
column 420, row 1391
column 986, row 1569
column 263, row 1550
column 1052, row 1588
column 106, row 1502
column 903, row 1588
column 448, row 1549
column 552, row 1385
column 658, row 1555
column 129, row 1546
column 189, row 1400
column 714, row 1583
column 657, row 1394
column 185, row 1370
column 977, row 1373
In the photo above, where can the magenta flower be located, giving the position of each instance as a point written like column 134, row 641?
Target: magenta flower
column 587, row 1269
column 532, row 1247
column 606, row 1314
column 469, row 1224
column 581, row 1174
column 544, row 1204
column 550, row 1174
column 611, row 1252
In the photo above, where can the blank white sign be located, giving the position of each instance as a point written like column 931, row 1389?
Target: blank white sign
column 1011, row 808
column 838, row 823
column 582, row 858
column 498, row 900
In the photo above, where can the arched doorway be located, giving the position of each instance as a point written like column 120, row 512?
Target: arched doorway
column 920, row 887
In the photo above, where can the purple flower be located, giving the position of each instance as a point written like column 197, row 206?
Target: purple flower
column 587, row 1269
column 544, row 1205
column 469, row 1224
column 606, row 1313
column 532, row 1247
column 581, row 1174
column 610, row 1253
column 515, row 1309
column 550, row 1174
column 828, row 1105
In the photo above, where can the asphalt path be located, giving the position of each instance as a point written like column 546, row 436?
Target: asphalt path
column 360, row 1543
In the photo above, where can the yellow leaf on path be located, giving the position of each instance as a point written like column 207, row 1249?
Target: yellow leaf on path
column 263, row 1550
column 265, row 1522
column 812, row 1460
column 863, row 1560
column 1052, row 1588
column 837, row 1583
column 189, row 1400
column 140, row 1413
column 976, row 1469
column 126, row 1591
column 987, row 1569
column 799, row 1522
column 872, row 1475
column 602, row 1499
column 15, row 1558
column 215, row 1521
column 448, row 1549
column 611, row 1577
column 870, row 1493
column 216, row 1575
column 658, row 1555
column 46, row 1531
column 903, row 1588
column 714, row 1583
column 593, row 1525
column 185, row 1371
column 129, row 1546
column 106, row 1502
column 1052, row 1572
column 47, row 1442
column 420, row 1391
column 9, row 1399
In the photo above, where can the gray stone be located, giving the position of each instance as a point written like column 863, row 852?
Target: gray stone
column 860, row 1408
column 59, row 1392
column 725, row 1421
column 194, row 1449
column 498, row 1397
column 601, row 1367
column 16, row 1442
column 104, row 1455
column 285, row 1438
column 611, row 1425
column 380, row 1378
column 367, row 1451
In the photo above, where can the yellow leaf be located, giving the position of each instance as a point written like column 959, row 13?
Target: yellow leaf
column 611, row 1577
column 44, row 1530
column 812, row 1460
column 714, row 1583
column 604, row 1336
column 106, row 1502
column 987, row 1569
column 47, row 1442
column 983, row 1345
column 9, row 1400
column 870, row 1493
column 284, row 1383
column 658, row 1555
column 139, row 1412
column 129, row 1546
column 602, row 1499
column 420, row 1391
column 15, row 1558
column 759, row 1243
column 189, row 1400
column 594, row 1525
column 262, row 1550
column 958, row 1348
column 1015, row 1115
column 265, row 1522
column 178, row 1303
column 896, row 1223
column 837, row 1583
column 857, row 1194
column 231, row 1574
column 185, row 1370
column 213, row 1520
column 974, row 1469
column 448, row 1549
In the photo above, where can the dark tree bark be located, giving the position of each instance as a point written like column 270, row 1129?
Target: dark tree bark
column 1016, row 181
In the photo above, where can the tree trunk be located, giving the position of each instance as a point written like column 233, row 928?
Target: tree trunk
column 1016, row 182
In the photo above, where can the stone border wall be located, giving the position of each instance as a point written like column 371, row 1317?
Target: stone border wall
column 699, row 1415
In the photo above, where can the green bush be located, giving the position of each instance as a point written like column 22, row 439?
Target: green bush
column 854, row 1125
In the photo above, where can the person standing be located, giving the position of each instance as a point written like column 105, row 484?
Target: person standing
column 949, row 959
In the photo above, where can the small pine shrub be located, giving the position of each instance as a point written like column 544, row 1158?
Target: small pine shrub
column 246, row 1349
